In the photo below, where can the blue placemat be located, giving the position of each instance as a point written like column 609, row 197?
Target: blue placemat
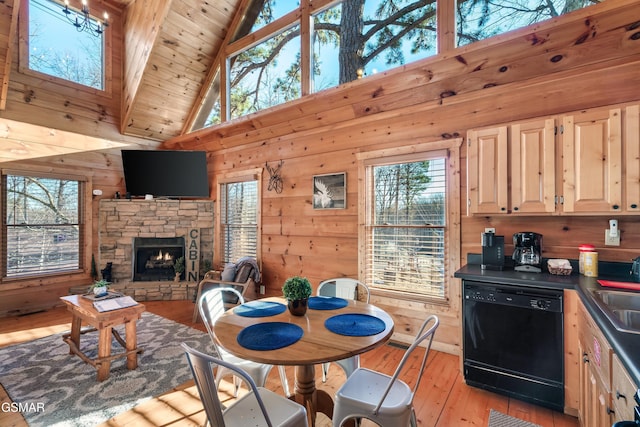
column 327, row 303
column 269, row 335
column 259, row 309
column 354, row 324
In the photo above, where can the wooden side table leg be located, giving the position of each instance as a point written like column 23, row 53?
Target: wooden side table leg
column 132, row 343
column 76, row 324
column 104, row 351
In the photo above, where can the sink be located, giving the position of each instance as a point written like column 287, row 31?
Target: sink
column 622, row 308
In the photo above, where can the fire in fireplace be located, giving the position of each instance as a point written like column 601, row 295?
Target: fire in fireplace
column 154, row 257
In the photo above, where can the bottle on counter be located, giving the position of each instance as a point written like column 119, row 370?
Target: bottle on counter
column 591, row 264
column 584, row 248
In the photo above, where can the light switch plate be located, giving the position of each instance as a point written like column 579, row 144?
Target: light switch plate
column 611, row 240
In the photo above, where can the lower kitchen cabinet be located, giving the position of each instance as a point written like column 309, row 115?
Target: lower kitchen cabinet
column 622, row 391
column 606, row 389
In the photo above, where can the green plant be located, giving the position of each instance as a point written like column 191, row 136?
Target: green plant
column 178, row 266
column 99, row 284
column 296, row 288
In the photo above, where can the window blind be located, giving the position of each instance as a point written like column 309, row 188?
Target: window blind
column 406, row 227
column 239, row 220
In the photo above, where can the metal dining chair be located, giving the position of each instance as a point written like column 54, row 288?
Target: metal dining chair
column 250, row 409
column 211, row 306
column 383, row 399
column 347, row 288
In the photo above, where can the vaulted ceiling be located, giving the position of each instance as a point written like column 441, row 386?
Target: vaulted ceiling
column 169, row 49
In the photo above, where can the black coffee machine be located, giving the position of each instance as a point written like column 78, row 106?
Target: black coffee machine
column 527, row 251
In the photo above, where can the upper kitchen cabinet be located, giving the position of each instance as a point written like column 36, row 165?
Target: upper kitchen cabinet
column 487, row 170
column 592, row 161
column 574, row 164
column 511, row 169
column 631, row 155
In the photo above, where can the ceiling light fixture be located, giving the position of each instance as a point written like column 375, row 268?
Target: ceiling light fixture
column 83, row 21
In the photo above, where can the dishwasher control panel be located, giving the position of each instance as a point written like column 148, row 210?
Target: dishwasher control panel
column 515, row 296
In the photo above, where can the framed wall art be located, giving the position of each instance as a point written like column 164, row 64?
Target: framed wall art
column 330, row 191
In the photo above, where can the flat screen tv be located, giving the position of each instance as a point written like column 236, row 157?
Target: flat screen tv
column 166, row 173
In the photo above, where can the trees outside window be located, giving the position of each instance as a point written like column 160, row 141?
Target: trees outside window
column 347, row 40
column 480, row 19
column 239, row 217
column 57, row 49
column 406, row 226
column 42, row 228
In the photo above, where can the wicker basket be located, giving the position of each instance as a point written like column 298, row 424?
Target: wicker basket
column 560, row 271
column 559, row 267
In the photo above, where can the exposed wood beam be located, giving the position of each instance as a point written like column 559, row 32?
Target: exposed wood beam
column 8, row 21
column 20, row 141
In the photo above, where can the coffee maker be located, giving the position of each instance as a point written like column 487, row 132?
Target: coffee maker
column 527, row 251
column 492, row 252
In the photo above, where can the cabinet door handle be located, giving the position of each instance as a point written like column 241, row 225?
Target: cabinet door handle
column 619, row 395
column 585, row 358
column 610, row 411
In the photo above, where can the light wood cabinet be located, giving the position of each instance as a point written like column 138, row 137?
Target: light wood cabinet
column 631, row 155
column 595, row 373
column 606, row 389
column 582, row 163
column 592, row 161
column 623, row 390
column 487, row 170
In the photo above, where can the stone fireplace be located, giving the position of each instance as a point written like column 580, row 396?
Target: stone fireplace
column 133, row 233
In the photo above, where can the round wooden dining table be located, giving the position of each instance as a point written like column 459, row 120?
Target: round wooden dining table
column 316, row 345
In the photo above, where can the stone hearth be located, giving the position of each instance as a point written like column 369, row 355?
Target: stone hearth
column 121, row 220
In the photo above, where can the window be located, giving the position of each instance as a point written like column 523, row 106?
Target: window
column 407, row 228
column 480, row 20
column 239, row 219
column 272, row 60
column 265, row 75
column 42, row 225
column 54, row 46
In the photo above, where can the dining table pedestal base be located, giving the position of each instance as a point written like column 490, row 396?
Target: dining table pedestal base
column 307, row 395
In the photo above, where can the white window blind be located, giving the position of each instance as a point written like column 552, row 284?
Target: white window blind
column 406, row 226
column 239, row 220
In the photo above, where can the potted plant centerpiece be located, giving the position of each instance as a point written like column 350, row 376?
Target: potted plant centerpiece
column 297, row 291
column 100, row 288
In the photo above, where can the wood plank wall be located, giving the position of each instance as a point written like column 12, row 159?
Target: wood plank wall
column 512, row 77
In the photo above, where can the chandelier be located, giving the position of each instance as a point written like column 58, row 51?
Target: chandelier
column 82, row 19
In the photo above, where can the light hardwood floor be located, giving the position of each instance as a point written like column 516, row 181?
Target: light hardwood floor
column 442, row 400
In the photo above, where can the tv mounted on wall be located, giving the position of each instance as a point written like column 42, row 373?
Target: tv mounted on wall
column 166, row 173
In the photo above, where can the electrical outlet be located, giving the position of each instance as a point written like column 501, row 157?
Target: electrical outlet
column 610, row 240
column 261, row 289
column 490, row 230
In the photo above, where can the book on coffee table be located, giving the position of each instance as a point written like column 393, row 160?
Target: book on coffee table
column 114, row 303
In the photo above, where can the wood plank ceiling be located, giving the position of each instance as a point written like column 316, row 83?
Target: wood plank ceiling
column 169, row 48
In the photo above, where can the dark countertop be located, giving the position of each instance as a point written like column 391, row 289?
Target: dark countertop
column 625, row 344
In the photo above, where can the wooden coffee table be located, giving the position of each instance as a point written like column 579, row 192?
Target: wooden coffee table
column 83, row 311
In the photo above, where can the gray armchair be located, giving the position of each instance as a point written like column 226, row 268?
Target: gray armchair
column 244, row 274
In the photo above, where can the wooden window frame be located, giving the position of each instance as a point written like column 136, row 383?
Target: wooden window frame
column 85, row 220
column 411, row 153
column 228, row 178
column 23, row 51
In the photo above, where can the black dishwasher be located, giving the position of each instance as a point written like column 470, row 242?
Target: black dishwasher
column 513, row 341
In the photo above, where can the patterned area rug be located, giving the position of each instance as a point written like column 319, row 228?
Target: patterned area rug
column 58, row 389
column 498, row 419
